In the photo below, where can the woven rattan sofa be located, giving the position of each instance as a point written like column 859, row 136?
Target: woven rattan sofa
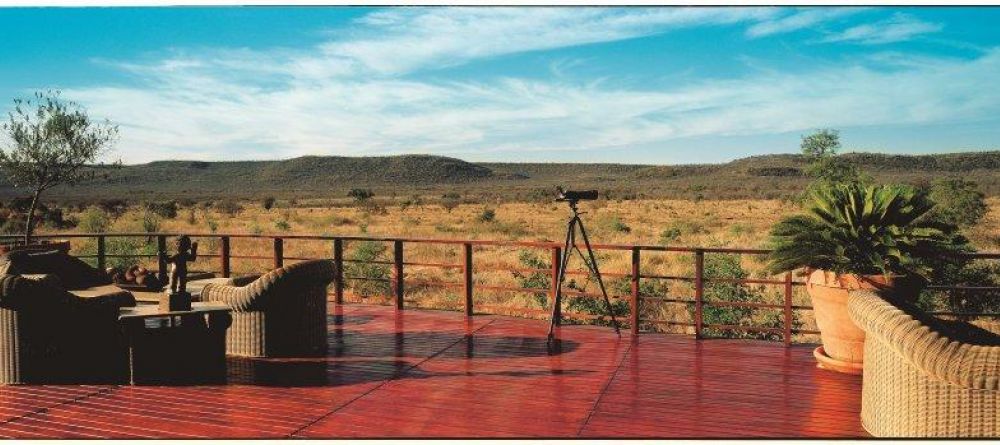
column 48, row 335
column 926, row 377
column 280, row 314
column 73, row 275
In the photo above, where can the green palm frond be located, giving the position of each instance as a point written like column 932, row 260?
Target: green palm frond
column 852, row 228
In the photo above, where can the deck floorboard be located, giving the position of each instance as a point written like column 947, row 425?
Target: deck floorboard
column 421, row 373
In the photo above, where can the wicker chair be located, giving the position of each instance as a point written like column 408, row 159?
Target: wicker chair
column 48, row 335
column 925, row 377
column 280, row 314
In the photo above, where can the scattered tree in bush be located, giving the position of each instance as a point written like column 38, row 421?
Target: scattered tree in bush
column 228, row 207
column 957, row 201
column 360, row 195
column 267, row 203
column 488, row 215
column 113, row 207
column 451, row 200
column 50, row 142
column 821, row 148
column 165, row 209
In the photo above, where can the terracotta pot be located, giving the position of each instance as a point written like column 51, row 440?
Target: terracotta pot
column 843, row 342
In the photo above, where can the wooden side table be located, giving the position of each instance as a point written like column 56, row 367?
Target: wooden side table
column 178, row 347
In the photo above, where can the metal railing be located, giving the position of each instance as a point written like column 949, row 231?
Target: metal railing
column 397, row 282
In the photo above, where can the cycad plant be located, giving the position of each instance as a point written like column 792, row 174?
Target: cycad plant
column 851, row 228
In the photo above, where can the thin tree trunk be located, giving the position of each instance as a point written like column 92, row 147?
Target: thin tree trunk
column 29, row 225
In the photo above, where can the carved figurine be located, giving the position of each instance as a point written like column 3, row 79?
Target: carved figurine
column 187, row 251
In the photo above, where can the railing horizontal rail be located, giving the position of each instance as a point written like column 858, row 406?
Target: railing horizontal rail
column 540, row 244
column 398, row 281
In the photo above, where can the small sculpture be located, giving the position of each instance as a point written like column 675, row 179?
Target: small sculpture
column 178, row 299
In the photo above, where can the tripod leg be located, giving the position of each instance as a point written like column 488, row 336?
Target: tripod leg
column 564, row 261
column 597, row 273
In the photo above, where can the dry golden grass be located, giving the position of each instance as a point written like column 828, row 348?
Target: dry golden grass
column 704, row 224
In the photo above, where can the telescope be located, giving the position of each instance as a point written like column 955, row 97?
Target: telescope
column 576, row 195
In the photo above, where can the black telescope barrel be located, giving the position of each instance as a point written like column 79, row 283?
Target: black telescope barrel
column 578, row 195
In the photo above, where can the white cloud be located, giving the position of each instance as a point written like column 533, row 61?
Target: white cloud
column 352, row 96
column 406, row 39
column 899, row 27
column 800, row 19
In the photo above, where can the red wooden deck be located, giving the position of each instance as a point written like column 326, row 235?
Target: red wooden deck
column 435, row 374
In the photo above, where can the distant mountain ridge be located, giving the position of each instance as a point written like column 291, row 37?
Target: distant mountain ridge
column 767, row 176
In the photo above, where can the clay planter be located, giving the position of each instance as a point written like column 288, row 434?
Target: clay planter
column 843, row 347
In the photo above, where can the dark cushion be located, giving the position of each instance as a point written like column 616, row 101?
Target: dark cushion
column 72, row 272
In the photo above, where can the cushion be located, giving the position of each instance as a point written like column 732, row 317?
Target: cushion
column 72, row 272
column 107, row 293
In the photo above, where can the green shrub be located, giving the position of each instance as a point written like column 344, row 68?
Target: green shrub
column 375, row 275
column 267, row 203
column 957, row 202
column 487, row 215
column 228, row 207
column 282, row 225
column 94, row 220
column 534, row 280
column 150, row 222
column 670, row 235
column 726, row 266
column 166, row 209
column 616, row 224
column 360, row 195
column 739, row 229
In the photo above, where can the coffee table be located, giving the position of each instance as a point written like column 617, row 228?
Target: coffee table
column 194, row 288
column 176, row 347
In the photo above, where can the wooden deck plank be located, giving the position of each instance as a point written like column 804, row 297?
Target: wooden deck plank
column 417, row 373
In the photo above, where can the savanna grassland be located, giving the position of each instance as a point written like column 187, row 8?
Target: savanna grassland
column 732, row 205
column 702, row 223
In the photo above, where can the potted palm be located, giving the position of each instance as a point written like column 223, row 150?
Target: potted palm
column 854, row 236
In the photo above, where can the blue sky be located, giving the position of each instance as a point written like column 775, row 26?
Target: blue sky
column 633, row 85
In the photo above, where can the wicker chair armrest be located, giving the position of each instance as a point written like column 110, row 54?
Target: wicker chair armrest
column 243, row 280
column 238, row 298
column 934, row 353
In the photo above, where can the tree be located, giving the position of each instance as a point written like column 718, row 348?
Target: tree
column 50, row 142
column 360, row 195
column 267, row 203
column 450, row 201
column 821, row 148
column 821, row 144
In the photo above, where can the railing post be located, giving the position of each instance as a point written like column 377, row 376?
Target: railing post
column 338, row 271
column 161, row 257
column 279, row 253
column 101, row 254
column 699, row 291
column 467, row 272
column 556, row 309
column 788, row 309
column 224, row 256
column 635, row 292
column 397, row 272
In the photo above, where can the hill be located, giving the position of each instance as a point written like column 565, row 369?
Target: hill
column 769, row 176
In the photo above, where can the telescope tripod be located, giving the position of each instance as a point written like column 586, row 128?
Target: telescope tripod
column 570, row 245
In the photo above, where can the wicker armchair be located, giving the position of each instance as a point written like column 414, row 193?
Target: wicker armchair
column 48, row 335
column 280, row 314
column 926, row 377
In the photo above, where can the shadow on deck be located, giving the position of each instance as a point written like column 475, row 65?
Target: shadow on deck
column 438, row 374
